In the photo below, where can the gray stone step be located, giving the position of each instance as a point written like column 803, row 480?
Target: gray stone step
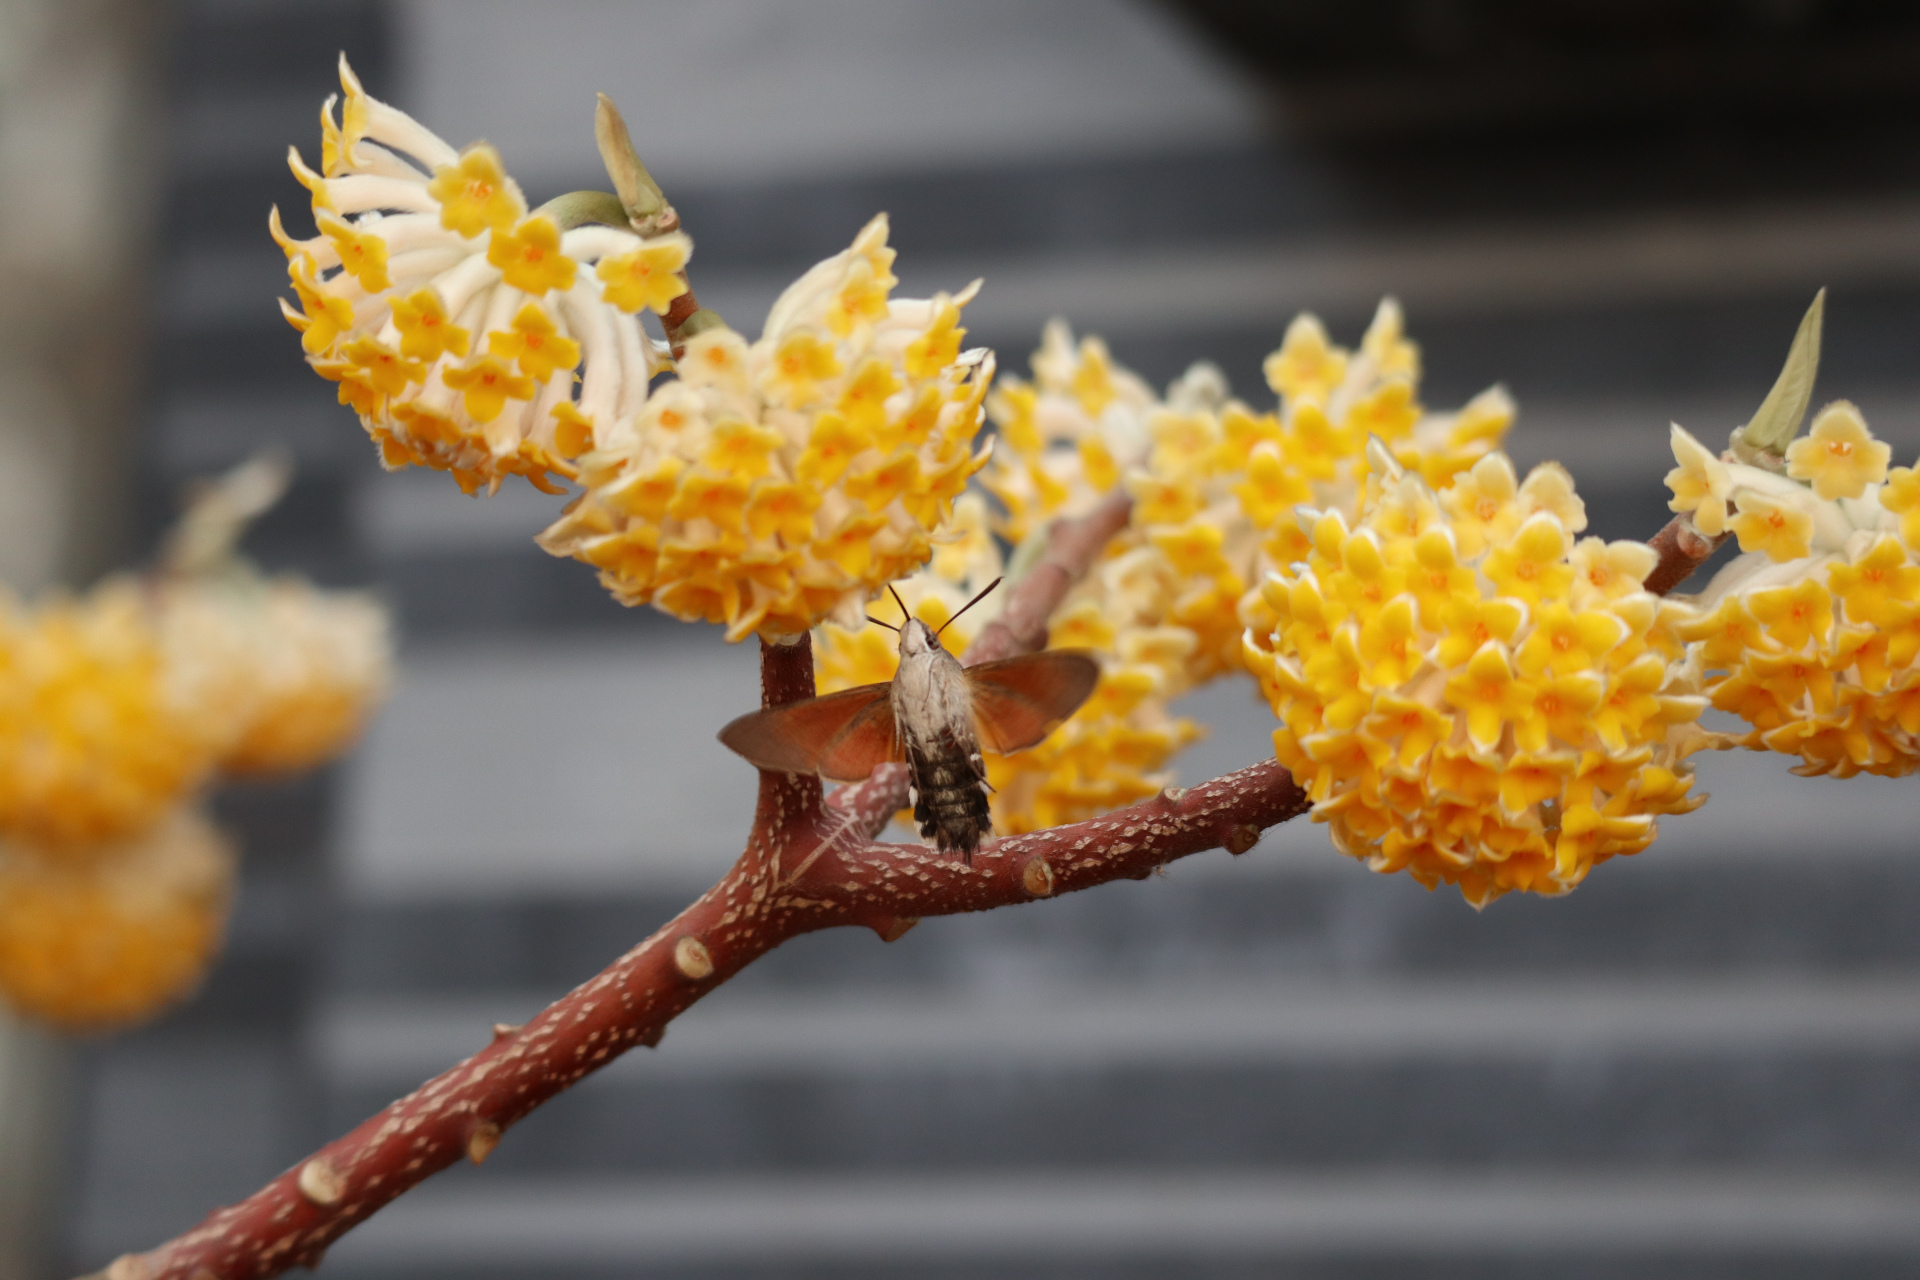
column 1407, row 1222
column 1761, row 1068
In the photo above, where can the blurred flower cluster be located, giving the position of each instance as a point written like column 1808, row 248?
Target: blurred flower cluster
column 116, row 709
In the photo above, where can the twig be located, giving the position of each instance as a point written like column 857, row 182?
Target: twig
column 1682, row 549
column 1072, row 547
column 465, row 1111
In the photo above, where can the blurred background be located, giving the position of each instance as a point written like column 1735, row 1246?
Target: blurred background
column 1704, row 1063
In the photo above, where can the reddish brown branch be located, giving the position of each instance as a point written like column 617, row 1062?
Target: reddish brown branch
column 1072, row 547
column 777, row 890
column 1682, row 549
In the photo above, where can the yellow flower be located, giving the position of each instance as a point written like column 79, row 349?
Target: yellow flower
column 1771, row 525
column 1531, row 566
column 486, row 385
column 475, row 194
column 418, row 244
column 425, row 332
column 776, row 484
column 535, row 344
column 1604, row 571
column 529, row 257
column 364, row 257
column 1307, row 365
column 649, row 276
column 107, row 938
column 1482, row 504
column 1901, row 496
column 1453, row 731
column 1701, row 484
column 386, row 370
column 803, row 360
column 1839, row 455
column 1880, row 584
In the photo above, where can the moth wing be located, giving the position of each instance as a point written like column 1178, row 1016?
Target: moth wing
column 842, row 736
column 1018, row 701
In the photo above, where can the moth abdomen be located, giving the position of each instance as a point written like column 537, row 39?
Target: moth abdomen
column 950, row 797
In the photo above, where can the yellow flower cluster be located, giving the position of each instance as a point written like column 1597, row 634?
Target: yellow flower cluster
column 1214, row 482
column 281, row 674
column 95, row 743
column 779, row 483
column 100, row 941
column 1109, row 753
column 1468, row 693
column 452, row 318
column 115, row 709
column 1811, row 636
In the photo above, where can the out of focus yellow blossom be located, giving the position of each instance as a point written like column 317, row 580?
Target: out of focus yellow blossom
column 283, row 674
column 1498, row 718
column 452, row 317
column 277, row 674
column 106, row 936
column 97, row 738
column 1811, row 636
column 116, row 708
column 779, row 483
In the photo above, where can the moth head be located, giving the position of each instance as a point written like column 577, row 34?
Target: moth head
column 916, row 637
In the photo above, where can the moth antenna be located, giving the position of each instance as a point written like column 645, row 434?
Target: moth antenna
column 968, row 605
column 876, row 622
column 905, row 613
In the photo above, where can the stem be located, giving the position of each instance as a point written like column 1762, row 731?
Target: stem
column 1072, row 547
column 1682, row 549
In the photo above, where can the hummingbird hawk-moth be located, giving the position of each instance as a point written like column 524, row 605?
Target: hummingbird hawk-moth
column 936, row 715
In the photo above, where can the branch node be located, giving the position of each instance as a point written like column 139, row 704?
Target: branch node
column 1241, row 839
column 1037, row 878
column 894, row 928
column 320, row 1183
column 692, row 959
column 501, row 1030
column 481, row 1142
column 1173, row 795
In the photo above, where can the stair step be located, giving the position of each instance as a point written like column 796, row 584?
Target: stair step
column 1460, row 1223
